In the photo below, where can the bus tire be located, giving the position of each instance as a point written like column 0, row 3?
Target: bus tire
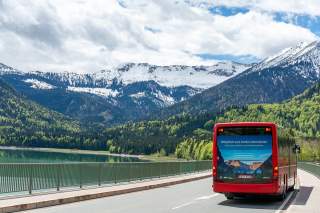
column 291, row 188
column 282, row 196
column 229, row 196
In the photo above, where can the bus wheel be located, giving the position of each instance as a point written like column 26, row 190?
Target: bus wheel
column 291, row 188
column 229, row 196
column 282, row 196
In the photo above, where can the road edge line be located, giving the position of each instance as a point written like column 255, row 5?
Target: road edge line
column 286, row 202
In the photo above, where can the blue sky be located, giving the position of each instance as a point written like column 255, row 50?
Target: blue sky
column 90, row 35
column 306, row 21
column 247, row 59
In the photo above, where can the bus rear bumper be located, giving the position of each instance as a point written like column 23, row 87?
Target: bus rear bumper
column 265, row 188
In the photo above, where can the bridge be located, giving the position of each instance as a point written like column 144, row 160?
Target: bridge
column 167, row 196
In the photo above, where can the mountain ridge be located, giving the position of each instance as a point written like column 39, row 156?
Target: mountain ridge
column 100, row 98
column 104, row 97
column 254, row 85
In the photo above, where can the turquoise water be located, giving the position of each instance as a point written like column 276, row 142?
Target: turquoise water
column 34, row 156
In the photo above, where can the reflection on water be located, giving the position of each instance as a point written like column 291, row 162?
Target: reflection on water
column 33, row 156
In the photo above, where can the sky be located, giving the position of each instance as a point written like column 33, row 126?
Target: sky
column 87, row 36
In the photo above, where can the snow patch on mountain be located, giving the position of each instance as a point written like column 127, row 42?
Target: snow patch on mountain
column 303, row 52
column 4, row 69
column 96, row 91
column 166, row 99
column 169, row 76
column 138, row 95
column 36, row 84
column 175, row 75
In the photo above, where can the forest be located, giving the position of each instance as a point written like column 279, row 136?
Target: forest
column 191, row 135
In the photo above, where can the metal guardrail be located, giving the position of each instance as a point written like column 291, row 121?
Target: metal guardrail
column 311, row 167
column 28, row 177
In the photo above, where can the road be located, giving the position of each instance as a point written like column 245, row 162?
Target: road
column 195, row 197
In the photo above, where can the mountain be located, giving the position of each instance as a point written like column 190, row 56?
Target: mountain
column 127, row 92
column 189, row 135
column 176, row 75
column 25, row 123
column 275, row 79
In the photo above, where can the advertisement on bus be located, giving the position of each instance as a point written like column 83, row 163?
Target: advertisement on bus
column 244, row 157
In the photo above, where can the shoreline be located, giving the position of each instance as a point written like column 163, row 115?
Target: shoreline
column 70, row 151
column 93, row 152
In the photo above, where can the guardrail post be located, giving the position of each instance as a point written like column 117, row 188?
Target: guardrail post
column 130, row 172
column 99, row 174
column 115, row 172
column 141, row 171
column 30, row 180
column 58, row 176
column 80, row 175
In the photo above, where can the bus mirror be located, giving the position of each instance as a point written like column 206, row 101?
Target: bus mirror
column 297, row 149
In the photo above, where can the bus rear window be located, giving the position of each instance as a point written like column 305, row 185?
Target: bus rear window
column 244, row 131
column 244, row 154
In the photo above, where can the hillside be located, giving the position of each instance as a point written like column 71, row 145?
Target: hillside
column 148, row 137
column 191, row 134
column 301, row 114
column 25, row 123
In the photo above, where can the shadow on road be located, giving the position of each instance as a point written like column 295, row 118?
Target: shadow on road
column 256, row 202
column 303, row 195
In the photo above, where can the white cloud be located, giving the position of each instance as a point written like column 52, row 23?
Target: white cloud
column 85, row 36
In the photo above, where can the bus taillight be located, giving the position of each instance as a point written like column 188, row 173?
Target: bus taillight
column 275, row 171
column 214, row 171
column 220, row 130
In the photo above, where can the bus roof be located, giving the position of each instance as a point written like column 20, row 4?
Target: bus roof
column 230, row 124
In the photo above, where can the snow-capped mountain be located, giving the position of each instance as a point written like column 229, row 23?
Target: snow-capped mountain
column 175, row 75
column 119, row 94
column 133, row 91
column 201, row 77
column 300, row 55
column 274, row 79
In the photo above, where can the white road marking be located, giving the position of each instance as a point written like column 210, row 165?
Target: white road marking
column 207, row 197
column 195, row 201
column 285, row 202
column 183, row 205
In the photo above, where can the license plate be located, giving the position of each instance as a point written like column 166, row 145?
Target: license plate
column 245, row 176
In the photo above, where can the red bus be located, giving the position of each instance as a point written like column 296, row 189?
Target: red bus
column 253, row 158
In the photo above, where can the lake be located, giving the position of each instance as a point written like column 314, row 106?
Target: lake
column 18, row 155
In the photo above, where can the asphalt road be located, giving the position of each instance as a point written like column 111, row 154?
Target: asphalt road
column 190, row 197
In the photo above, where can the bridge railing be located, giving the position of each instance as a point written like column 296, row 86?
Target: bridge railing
column 312, row 167
column 28, row 177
